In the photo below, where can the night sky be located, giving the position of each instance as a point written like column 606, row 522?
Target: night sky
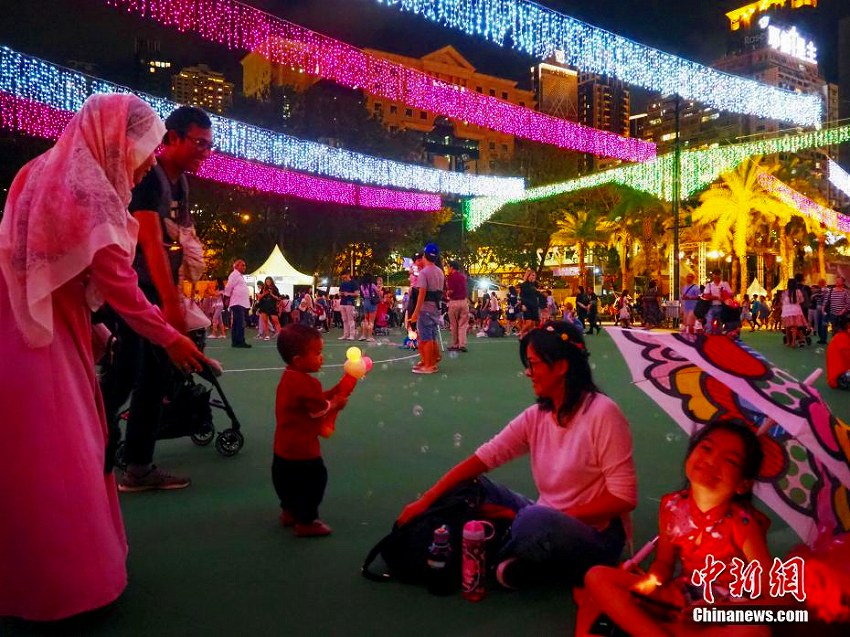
column 88, row 30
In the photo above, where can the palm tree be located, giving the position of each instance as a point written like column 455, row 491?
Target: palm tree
column 733, row 205
column 641, row 216
column 582, row 228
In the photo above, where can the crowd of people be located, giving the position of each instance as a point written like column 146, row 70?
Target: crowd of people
column 127, row 240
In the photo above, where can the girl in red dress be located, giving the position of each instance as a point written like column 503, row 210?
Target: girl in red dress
column 709, row 523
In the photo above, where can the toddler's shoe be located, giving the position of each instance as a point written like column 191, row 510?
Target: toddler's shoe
column 316, row 528
column 286, row 518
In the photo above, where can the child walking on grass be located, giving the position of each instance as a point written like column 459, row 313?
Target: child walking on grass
column 713, row 516
column 303, row 412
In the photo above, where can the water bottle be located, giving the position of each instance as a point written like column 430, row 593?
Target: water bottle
column 474, row 564
column 439, row 555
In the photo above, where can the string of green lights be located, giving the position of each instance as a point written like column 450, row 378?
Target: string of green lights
column 699, row 169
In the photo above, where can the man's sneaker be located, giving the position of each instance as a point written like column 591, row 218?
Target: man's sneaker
column 342, row 338
column 155, row 478
column 286, row 518
column 514, row 574
column 316, row 528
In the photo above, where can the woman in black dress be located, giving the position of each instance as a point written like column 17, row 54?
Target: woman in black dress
column 267, row 301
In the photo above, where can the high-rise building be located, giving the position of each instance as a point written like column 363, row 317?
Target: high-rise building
column 604, row 103
column 201, row 86
column 556, row 89
column 445, row 64
column 765, row 46
column 844, row 82
column 152, row 69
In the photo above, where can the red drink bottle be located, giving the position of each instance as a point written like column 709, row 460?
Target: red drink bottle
column 474, row 564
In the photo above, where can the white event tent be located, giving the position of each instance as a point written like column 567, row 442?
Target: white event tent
column 278, row 268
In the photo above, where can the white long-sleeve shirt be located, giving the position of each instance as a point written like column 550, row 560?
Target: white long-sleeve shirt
column 236, row 290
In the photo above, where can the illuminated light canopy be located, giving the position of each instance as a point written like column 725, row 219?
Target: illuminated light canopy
column 540, row 32
column 240, row 26
column 63, row 89
column 699, row 168
column 839, row 178
column 40, row 120
column 826, row 216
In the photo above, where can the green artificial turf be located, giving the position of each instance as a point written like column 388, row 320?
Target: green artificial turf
column 213, row 560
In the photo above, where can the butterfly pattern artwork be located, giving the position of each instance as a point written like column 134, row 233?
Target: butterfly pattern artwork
column 806, row 472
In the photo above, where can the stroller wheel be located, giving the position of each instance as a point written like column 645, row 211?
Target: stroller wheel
column 229, row 442
column 120, row 455
column 205, row 436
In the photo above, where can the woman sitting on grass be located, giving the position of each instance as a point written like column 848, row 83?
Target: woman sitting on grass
column 581, row 459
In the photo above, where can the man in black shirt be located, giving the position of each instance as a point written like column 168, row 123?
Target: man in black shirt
column 160, row 206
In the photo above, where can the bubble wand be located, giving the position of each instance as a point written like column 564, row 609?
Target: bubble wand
column 356, row 367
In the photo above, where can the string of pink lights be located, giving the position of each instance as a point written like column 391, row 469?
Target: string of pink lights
column 39, row 120
column 240, row 26
column 826, row 216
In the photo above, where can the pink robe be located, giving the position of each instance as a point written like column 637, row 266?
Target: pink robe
column 62, row 544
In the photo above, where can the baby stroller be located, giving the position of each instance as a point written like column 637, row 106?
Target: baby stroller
column 187, row 411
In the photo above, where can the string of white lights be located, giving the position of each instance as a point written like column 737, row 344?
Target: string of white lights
column 31, row 78
column 541, row 32
column 839, row 178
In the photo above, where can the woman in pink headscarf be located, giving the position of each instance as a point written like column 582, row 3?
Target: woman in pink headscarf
column 66, row 245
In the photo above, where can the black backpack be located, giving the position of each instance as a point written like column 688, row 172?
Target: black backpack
column 405, row 550
column 495, row 329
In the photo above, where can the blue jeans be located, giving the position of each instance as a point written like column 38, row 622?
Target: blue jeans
column 713, row 313
column 427, row 325
column 239, row 316
column 554, row 541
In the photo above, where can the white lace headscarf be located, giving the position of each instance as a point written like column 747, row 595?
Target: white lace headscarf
column 70, row 202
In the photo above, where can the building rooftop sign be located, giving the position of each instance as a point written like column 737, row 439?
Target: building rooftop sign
column 789, row 41
column 744, row 15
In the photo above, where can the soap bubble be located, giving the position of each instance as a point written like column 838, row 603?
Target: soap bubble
column 520, row 374
column 672, row 437
column 444, row 377
column 380, row 424
column 436, row 392
column 457, row 439
column 320, row 374
column 460, row 399
column 424, row 448
column 416, row 393
column 378, row 398
column 453, row 354
column 385, row 367
column 417, row 410
column 819, row 350
column 593, row 366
